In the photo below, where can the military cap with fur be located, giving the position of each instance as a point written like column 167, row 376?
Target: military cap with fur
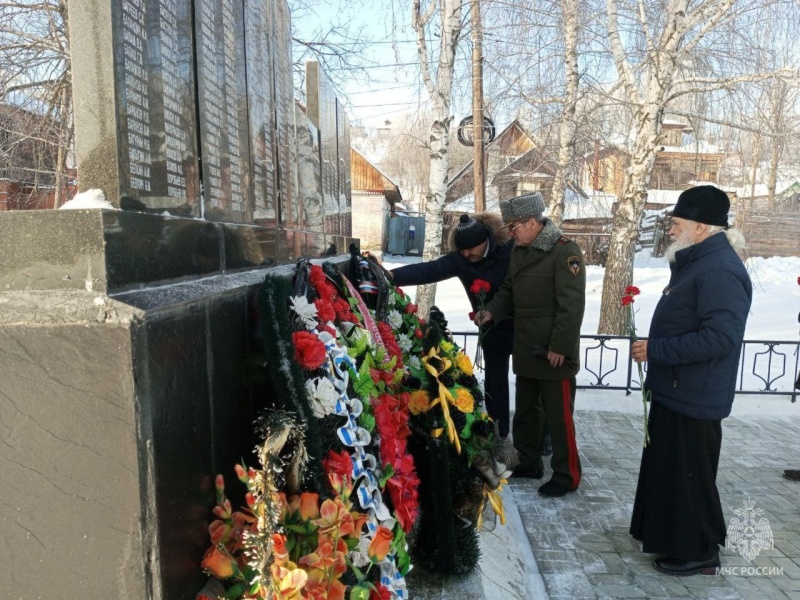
column 522, row 208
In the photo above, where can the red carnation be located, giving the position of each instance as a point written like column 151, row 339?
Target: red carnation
column 325, row 311
column 632, row 290
column 471, row 315
column 480, row 285
column 339, row 463
column 627, row 300
column 411, row 309
column 309, row 351
column 418, row 333
column 798, row 280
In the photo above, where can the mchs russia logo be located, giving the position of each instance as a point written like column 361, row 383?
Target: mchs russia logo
column 749, row 534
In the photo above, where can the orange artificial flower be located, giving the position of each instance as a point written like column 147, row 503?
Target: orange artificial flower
column 319, row 588
column 326, row 557
column 464, row 401
column 223, row 511
column 306, row 504
column 334, row 519
column 220, row 532
column 359, row 520
column 219, row 563
column 420, row 402
column 380, row 545
column 289, row 580
column 279, row 548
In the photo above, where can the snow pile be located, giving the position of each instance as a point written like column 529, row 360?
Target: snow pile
column 93, row 198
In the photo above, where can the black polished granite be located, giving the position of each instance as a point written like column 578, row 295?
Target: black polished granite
column 143, row 248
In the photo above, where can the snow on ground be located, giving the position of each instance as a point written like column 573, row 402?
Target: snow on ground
column 776, row 302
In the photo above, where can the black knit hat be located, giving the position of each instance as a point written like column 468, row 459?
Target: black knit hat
column 704, row 204
column 470, row 233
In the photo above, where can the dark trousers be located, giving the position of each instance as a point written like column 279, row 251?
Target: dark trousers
column 541, row 402
column 677, row 510
column 497, row 346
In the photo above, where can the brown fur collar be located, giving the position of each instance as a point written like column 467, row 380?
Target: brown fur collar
column 493, row 222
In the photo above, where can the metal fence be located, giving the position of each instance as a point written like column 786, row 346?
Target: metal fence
column 766, row 367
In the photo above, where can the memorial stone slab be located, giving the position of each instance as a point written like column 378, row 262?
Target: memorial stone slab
column 259, row 43
column 155, row 97
column 222, row 99
column 322, row 113
column 309, row 171
column 343, row 168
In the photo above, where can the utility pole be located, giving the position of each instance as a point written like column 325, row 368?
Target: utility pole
column 477, row 108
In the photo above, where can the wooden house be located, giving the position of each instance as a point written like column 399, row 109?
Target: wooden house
column 510, row 144
column 375, row 197
column 680, row 163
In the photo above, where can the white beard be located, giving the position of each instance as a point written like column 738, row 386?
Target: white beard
column 677, row 245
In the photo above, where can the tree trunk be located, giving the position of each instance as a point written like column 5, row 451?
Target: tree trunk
column 440, row 91
column 614, row 318
column 567, row 127
column 434, row 207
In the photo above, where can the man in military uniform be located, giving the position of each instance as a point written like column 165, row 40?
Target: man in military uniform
column 545, row 291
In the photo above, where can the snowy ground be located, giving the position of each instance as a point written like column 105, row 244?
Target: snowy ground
column 776, row 301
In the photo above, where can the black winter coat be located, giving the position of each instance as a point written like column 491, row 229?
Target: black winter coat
column 697, row 330
column 492, row 268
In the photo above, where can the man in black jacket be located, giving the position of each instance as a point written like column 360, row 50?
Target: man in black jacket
column 692, row 355
column 480, row 249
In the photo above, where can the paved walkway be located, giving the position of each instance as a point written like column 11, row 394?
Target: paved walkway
column 580, row 543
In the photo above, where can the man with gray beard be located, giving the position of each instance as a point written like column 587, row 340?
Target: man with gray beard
column 692, row 355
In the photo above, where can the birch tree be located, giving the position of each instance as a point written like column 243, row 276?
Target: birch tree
column 656, row 50
column 439, row 22
column 567, row 127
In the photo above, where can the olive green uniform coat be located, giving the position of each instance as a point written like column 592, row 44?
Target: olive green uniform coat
column 545, row 291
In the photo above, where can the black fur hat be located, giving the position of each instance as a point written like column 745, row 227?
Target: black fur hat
column 704, row 204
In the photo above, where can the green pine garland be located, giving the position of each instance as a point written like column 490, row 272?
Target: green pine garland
column 288, row 382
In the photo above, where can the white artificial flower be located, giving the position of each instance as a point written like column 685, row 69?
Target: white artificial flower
column 392, row 299
column 404, row 342
column 395, row 319
column 323, row 396
column 359, row 554
column 305, row 310
column 415, row 362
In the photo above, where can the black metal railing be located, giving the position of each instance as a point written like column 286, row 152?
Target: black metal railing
column 766, row 367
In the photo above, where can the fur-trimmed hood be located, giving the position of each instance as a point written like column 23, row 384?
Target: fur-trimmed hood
column 492, row 221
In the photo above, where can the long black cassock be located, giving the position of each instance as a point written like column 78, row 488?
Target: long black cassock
column 677, row 510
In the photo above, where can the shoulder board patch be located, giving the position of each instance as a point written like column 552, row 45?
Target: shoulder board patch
column 562, row 241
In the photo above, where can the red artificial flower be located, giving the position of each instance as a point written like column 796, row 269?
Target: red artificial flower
column 471, row 315
column 325, row 311
column 411, row 309
column 309, row 351
column 418, row 333
column 798, row 280
column 626, row 300
column 632, row 290
column 380, row 593
column 339, row 463
column 480, row 285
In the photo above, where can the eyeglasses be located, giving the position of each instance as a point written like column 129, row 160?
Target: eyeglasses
column 511, row 229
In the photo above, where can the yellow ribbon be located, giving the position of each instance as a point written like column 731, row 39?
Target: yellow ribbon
column 496, row 500
column 445, row 397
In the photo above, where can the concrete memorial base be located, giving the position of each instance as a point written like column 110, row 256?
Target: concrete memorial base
column 129, row 377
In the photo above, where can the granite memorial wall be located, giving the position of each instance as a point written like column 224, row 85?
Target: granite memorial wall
column 129, row 350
